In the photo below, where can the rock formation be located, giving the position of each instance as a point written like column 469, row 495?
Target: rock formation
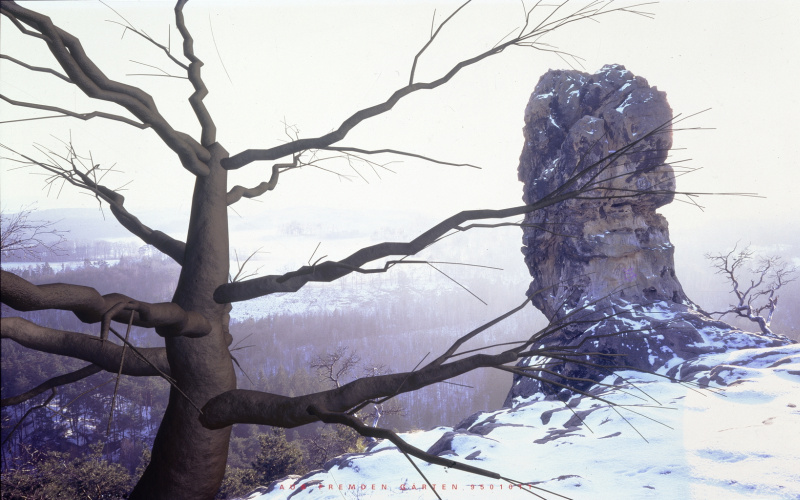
column 607, row 262
column 610, row 263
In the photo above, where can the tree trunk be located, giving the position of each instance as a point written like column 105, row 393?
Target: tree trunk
column 188, row 460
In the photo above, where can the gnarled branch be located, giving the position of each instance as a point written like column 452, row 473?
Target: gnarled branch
column 209, row 130
column 169, row 319
column 333, row 270
column 587, row 180
column 102, row 353
column 83, row 72
column 85, row 180
column 254, row 407
column 238, row 192
column 527, row 37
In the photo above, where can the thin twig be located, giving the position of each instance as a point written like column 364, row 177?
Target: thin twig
column 119, row 376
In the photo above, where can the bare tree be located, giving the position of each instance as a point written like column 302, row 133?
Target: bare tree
column 758, row 299
column 377, row 411
column 190, row 449
column 26, row 237
column 336, row 366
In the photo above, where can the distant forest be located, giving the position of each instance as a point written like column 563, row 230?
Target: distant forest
column 81, row 250
column 405, row 315
column 375, row 341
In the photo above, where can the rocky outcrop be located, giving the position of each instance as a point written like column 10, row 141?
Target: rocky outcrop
column 607, row 261
column 610, row 263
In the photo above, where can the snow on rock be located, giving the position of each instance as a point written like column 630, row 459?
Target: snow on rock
column 608, row 268
column 728, row 431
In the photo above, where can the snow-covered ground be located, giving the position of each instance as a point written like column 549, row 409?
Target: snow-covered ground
column 730, row 433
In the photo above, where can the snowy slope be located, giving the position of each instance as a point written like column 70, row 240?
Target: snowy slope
column 737, row 438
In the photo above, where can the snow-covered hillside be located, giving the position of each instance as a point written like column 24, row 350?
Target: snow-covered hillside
column 730, row 432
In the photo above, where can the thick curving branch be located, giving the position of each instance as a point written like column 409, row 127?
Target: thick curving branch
column 251, row 155
column 333, row 270
column 592, row 181
column 83, row 72
column 208, row 135
column 254, row 407
column 52, row 383
column 528, row 36
column 166, row 244
column 104, row 354
column 339, row 405
column 168, row 318
column 240, row 406
column 175, row 249
column 21, row 27
column 238, row 192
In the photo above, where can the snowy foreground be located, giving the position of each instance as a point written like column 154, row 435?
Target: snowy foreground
column 737, row 438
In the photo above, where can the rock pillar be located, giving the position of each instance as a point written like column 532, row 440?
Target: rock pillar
column 604, row 264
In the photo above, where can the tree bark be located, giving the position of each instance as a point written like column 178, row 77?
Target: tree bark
column 104, row 354
column 188, row 460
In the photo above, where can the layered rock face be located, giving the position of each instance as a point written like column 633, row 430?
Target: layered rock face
column 605, row 265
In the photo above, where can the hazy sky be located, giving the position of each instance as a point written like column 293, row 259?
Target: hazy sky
column 313, row 63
